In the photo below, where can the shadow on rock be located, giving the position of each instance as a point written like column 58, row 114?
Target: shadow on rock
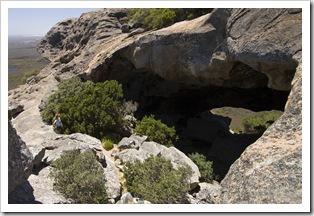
column 23, row 194
column 38, row 168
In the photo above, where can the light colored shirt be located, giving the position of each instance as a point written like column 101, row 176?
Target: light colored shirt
column 58, row 122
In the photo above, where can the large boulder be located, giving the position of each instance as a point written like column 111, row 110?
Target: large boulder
column 112, row 180
column 57, row 145
column 266, row 40
column 209, row 193
column 270, row 170
column 20, row 160
column 176, row 157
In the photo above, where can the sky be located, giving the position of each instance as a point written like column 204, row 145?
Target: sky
column 38, row 21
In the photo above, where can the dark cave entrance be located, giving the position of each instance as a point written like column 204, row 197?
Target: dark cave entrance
column 203, row 131
column 188, row 109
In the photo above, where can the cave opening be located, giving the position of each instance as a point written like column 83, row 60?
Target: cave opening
column 205, row 117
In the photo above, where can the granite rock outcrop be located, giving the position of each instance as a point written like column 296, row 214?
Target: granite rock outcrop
column 249, row 58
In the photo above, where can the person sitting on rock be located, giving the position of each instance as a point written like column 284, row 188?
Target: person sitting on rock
column 57, row 124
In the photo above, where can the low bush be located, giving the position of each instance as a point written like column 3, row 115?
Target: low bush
column 107, row 144
column 156, row 131
column 205, row 167
column 79, row 177
column 257, row 125
column 157, row 181
column 152, row 18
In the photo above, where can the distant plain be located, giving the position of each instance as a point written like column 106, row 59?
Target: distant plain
column 23, row 55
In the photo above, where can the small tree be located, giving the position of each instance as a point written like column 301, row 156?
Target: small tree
column 156, row 131
column 66, row 89
column 79, row 176
column 85, row 107
column 204, row 166
column 157, row 181
column 97, row 110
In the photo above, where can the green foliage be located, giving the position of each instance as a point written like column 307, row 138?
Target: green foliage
column 156, row 131
column 79, row 176
column 107, row 144
column 66, row 89
column 157, row 181
column 29, row 74
column 204, row 166
column 153, row 18
column 88, row 108
column 259, row 124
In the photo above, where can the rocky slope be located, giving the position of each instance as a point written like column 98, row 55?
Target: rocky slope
column 20, row 160
column 237, row 57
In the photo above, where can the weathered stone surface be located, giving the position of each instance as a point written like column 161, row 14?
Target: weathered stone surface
column 138, row 139
column 16, row 109
column 127, row 198
column 152, row 149
column 127, row 143
column 176, row 157
column 129, row 155
column 38, row 189
column 270, row 170
column 56, row 146
column 125, row 28
column 182, row 53
column 38, row 153
column 266, row 40
column 67, row 39
column 209, row 193
column 20, row 160
column 112, row 180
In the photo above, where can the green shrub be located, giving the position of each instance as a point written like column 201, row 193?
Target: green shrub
column 66, row 89
column 157, row 181
column 107, row 144
column 257, row 125
column 156, row 131
column 27, row 75
column 204, row 166
column 88, row 108
column 153, row 18
column 79, row 176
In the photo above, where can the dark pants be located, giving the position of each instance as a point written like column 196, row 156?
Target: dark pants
column 58, row 129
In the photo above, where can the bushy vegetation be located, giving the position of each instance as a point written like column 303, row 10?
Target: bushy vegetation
column 156, row 131
column 257, row 125
column 29, row 74
column 66, row 89
column 107, row 144
column 157, row 181
column 205, row 167
column 78, row 176
column 152, row 18
column 85, row 107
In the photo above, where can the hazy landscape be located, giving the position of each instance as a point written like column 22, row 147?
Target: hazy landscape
column 23, row 58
